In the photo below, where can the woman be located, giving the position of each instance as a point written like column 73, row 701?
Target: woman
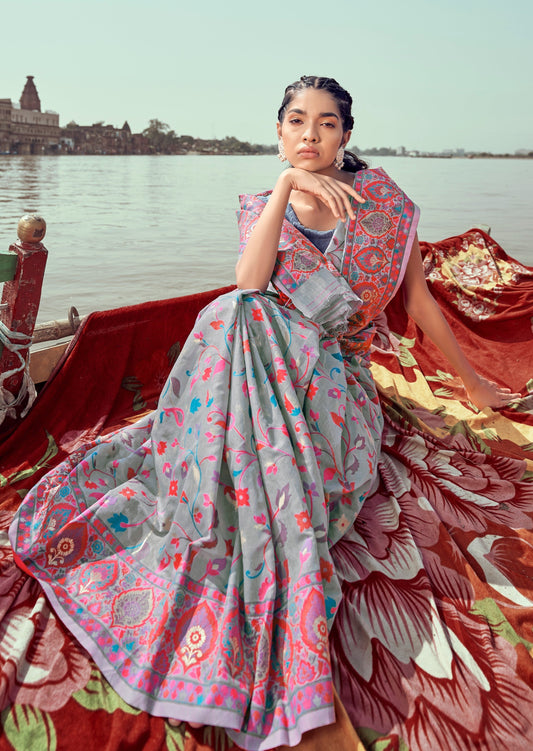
column 190, row 552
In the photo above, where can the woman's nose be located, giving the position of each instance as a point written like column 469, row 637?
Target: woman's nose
column 310, row 135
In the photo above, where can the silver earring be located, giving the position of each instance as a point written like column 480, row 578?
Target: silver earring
column 281, row 151
column 339, row 159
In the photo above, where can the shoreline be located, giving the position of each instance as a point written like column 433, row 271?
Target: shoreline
column 480, row 155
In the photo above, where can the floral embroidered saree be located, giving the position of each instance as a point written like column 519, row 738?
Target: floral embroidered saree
column 191, row 552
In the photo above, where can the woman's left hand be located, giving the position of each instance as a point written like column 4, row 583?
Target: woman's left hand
column 484, row 393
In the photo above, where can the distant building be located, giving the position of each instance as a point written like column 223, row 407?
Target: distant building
column 24, row 129
column 102, row 139
column 5, row 125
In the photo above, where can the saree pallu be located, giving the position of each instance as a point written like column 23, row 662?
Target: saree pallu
column 190, row 552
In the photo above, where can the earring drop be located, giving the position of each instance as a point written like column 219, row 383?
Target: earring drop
column 281, row 151
column 339, row 159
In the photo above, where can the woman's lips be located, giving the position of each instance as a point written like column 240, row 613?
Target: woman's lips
column 308, row 153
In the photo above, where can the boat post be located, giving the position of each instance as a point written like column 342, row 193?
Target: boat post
column 25, row 263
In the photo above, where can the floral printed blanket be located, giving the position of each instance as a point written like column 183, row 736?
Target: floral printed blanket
column 432, row 647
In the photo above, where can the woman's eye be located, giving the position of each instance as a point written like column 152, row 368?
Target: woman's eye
column 295, row 121
column 329, row 125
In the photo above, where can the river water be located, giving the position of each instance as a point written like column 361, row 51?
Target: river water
column 125, row 229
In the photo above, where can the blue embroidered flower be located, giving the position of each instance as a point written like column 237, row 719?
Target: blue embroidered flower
column 118, row 522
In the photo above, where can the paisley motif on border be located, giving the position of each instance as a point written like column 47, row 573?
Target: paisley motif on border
column 67, row 546
column 97, row 577
column 195, row 635
column 380, row 189
column 132, row 608
column 304, row 261
column 371, row 259
column 314, row 624
column 369, row 293
column 376, row 223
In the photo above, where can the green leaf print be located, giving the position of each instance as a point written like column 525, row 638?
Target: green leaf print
column 461, row 427
column 50, row 451
column 212, row 737
column 98, row 694
column 441, row 375
column 175, row 737
column 498, row 623
column 374, row 741
column 215, row 737
column 405, row 357
column 443, row 392
column 26, row 727
column 525, row 404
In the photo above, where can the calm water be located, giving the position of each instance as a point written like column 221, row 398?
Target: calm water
column 123, row 230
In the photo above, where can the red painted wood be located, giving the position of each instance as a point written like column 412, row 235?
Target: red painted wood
column 22, row 295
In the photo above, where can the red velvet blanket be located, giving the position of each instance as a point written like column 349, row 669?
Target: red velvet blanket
column 433, row 649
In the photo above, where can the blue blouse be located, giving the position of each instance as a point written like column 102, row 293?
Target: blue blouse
column 320, row 238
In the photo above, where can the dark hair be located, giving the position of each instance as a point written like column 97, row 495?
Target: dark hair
column 352, row 163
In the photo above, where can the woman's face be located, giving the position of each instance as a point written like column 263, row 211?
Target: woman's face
column 312, row 131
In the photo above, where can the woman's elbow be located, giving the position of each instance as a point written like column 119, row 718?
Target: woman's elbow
column 246, row 280
column 420, row 307
column 411, row 308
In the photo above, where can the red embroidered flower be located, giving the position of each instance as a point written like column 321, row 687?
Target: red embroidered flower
column 326, row 569
column 311, row 391
column 161, row 447
column 242, row 497
column 257, row 314
column 304, row 522
column 127, row 493
column 173, row 488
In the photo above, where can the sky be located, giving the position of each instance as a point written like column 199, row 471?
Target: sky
column 424, row 74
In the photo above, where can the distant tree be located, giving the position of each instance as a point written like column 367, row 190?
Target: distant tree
column 161, row 138
column 185, row 143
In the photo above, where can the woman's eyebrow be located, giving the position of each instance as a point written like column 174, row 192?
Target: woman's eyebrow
column 322, row 114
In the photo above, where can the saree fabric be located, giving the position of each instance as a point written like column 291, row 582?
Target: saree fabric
column 53, row 697
column 190, row 552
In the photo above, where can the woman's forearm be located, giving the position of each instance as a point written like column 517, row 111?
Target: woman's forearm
column 256, row 264
column 425, row 311
column 430, row 319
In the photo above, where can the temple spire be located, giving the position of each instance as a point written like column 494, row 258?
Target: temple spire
column 30, row 98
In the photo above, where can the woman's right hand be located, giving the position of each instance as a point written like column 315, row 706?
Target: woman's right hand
column 484, row 393
column 331, row 191
column 256, row 264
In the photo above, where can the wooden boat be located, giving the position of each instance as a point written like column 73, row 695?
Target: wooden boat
column 22, row 270
column 441, row 655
